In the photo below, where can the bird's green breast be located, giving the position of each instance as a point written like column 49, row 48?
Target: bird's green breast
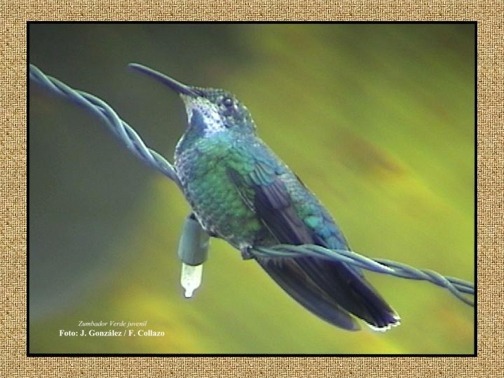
column 203, row 167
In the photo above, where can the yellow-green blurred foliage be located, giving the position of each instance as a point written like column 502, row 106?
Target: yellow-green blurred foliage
column 378, row 120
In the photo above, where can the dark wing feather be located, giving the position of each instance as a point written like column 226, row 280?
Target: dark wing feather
column 274, row 207
column 328, row 289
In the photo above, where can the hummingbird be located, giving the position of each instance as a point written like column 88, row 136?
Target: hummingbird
column 240, row 191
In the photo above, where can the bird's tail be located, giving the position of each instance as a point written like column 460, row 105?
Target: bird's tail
column 331, row 290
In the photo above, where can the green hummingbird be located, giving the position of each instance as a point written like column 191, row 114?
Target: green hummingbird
column 240, row 191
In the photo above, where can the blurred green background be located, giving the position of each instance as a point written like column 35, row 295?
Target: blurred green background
column 377, row 119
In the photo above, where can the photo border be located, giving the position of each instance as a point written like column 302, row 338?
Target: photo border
column 490, row 155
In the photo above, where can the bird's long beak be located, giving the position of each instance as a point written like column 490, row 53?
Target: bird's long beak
column 171, row 83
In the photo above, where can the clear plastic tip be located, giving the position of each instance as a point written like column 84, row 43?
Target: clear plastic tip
column 190, row 278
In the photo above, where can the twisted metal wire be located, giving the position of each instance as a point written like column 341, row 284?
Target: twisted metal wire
column 124, row 132
column 132, row 141
column 456, row 286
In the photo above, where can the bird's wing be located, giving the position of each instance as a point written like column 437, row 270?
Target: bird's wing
column 329, row 289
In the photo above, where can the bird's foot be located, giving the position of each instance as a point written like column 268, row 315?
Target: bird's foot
column 245, row 253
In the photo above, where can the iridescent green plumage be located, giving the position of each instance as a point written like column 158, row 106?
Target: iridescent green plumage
column 240, row 191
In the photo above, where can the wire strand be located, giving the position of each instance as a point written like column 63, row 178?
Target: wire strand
column 124, row 133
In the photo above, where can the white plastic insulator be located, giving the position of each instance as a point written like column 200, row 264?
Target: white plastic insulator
column 190, row 278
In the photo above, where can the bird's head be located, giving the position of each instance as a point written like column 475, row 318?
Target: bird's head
column 209, row 111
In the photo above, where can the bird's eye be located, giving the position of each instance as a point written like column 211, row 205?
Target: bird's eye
column 228, row 102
